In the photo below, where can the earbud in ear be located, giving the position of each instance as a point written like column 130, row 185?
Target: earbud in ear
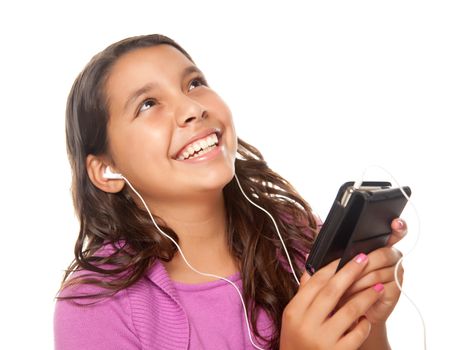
column 108, row 174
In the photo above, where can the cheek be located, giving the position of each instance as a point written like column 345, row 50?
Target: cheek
column 138, row 147
column 223, row 110
column 233, row 141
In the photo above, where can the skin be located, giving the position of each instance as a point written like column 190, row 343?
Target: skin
column 329, row 311
column 188, row 197
column 343, row 310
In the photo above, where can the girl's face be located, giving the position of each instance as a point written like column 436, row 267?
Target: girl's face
column 169, row 134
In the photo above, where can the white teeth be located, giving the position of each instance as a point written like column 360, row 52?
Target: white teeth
column 199, row 147
column 200, row 153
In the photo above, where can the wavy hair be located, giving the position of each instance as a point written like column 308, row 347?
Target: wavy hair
column 115, row 219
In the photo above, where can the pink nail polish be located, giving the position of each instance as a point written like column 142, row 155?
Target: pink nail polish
column 361, row 258
column 400, row 224
column 379, row 287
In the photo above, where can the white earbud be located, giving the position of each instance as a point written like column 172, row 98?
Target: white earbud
column 108, row 174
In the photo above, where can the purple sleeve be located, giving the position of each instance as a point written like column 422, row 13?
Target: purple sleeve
column 106, row 324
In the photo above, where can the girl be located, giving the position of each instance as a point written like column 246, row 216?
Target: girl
column 156, row 162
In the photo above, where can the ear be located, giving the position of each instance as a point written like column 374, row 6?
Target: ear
column 96, row 168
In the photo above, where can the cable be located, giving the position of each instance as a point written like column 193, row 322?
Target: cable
column 357, row 185
column 191, row 267
column 276, row 227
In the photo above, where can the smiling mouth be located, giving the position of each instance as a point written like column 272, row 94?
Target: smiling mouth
column 199, row 147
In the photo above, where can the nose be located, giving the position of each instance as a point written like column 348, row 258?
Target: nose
column 189, row 111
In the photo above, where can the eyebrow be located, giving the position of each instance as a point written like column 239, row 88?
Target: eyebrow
column 148, row 87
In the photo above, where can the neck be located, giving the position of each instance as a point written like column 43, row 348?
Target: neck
column 200, row 225
column 199, row 218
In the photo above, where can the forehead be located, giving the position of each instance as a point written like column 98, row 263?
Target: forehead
column 141, row 66
column 158, row 57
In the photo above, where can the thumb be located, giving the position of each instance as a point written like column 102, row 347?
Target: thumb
column 304, row 278
column 399, row 230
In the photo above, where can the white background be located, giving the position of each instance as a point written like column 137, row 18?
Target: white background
column 323, row 89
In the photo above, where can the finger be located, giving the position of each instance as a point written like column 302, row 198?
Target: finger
column 330, row 294
column 383, row 276
column 304, row 278
column 382, row 258
column 379, row 261
column 356, row 307
column 310, row 285
column 399, row 230
column 357, row 336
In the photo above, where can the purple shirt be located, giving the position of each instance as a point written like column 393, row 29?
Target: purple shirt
column 157, row 313
column 216, row 315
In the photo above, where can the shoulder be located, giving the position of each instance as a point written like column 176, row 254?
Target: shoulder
column 93, row 323
column 305, row 236
column 87, row 321
column 133, row 318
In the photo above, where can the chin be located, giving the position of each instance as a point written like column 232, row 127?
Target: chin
column 217, row 180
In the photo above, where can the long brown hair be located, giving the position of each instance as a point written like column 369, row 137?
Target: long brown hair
column 115, row 219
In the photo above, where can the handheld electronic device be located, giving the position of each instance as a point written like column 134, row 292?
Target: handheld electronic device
column 359, row 221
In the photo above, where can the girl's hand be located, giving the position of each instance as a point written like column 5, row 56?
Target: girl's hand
column 309, row 320
column 380, row 269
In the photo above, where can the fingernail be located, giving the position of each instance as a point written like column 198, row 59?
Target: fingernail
column 361, row 258
column 379, row 287
column 400, row 224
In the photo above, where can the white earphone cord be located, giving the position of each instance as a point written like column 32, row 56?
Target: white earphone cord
column 396, row 268
column 356, row 185
column 195, row 270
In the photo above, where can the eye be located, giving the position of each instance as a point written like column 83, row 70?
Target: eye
column 200, row 81
column 146, row 104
